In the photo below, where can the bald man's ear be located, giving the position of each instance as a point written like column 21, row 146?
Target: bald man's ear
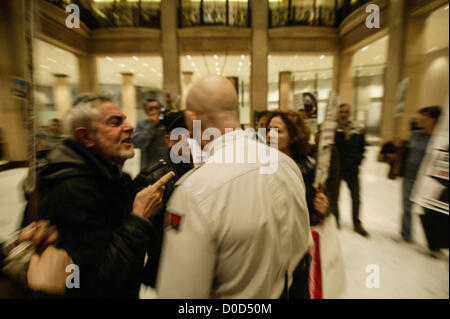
column 85, row 137
column 190, row 117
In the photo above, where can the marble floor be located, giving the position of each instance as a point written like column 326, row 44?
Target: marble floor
column 405, row 270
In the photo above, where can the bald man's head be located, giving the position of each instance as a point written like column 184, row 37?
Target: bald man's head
column 214, row 98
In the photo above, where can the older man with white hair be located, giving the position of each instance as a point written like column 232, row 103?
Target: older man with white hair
column 235, row 229
column 103, row 223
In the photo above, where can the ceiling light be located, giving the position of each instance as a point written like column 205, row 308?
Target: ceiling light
column 141, row 75
column 446, row 8
column 242, row 57
column 193, row 64
column 270, row 57
column 377, row 57
column 135, row 58
column 153, row 70
column 52, row 60
column 433, row 49
column 132, row 70
column 109, row 58
column 122, row 65
column 365, row 48
column 146, row 65
column 188, row 57
column 44, row 66
column 215, row 57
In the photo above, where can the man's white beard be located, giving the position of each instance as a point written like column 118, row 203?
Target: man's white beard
column 113, row 153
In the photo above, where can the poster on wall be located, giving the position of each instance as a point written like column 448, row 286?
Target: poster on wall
column 307, row 103
column 298, row 102
column 431, row 187
column 401, row 96
column 19, row 88
column 327, row 132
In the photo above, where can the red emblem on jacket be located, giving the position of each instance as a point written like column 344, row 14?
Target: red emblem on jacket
column 174, row 221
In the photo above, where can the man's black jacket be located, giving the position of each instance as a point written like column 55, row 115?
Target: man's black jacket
column 90, row 201
column 351, row 149
column 149, row 175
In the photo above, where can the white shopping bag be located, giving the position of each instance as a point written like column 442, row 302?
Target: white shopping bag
column 327, row 275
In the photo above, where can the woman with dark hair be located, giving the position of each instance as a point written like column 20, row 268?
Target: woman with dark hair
column 293, row 140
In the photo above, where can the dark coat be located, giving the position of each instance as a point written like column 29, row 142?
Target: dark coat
column 351, row 149
column 149, row 175
column 90, row 201
column 307, row 166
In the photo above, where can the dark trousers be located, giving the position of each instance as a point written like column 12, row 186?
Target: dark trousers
column 407, row 187
column 352, row 180
column 300, row 285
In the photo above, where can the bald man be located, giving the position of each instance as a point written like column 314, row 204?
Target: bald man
column 234, row 231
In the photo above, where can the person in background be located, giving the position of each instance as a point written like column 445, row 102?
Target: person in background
column 150, row 175
column 350, row 143
column 415, row 152
column 262, row 123
column 149, row 134
column 48, row 139
column 293, row 140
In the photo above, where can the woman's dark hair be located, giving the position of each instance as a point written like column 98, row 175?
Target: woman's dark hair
column 298, row 133
column 431, row 111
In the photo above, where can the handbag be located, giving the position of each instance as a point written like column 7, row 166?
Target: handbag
column 327, row 274
column 14, row 267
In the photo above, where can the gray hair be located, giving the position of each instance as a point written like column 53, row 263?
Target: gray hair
column 84, row 113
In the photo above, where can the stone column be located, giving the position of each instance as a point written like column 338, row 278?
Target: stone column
column 259, row 53
column 87, row 66
column 336, row 66
column 394, row 74
column 413, row 67
column 129, row 98
column 13, row 63
column 284, row 89
column 169, row 46
column 62, row 94
column 343, row 77
column 187, row 81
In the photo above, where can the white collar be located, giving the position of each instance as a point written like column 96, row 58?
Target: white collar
column 220, row 143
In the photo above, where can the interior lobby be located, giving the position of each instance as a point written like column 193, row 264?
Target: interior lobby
column 271, row 50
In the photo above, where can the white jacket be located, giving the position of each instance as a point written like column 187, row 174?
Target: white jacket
column 239, row 231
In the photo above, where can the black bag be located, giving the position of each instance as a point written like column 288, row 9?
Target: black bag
column 435, row 225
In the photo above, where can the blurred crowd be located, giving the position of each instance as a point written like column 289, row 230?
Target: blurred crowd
column 214, row 229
